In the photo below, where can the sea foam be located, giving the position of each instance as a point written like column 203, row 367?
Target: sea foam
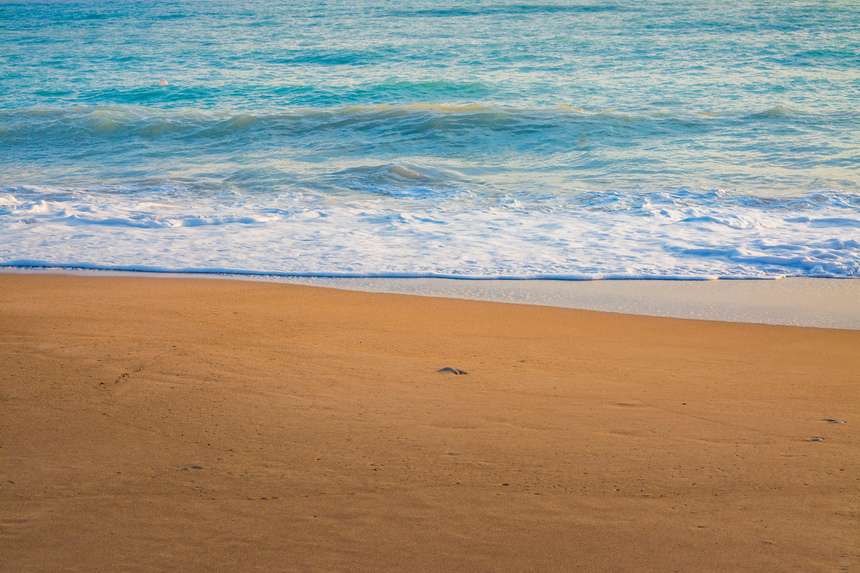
column 668, row 234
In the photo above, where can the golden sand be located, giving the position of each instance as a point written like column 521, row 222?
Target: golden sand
column 202, row 425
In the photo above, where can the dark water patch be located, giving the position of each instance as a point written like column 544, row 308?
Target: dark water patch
column 424, row 90
column 332, row 57
column 503, row 9
column 847, row 58
column 153, row 94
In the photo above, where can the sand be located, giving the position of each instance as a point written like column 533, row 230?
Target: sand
column 793, row 301
column 202, row 425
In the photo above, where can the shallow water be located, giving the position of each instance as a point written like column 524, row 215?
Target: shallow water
column 368, row 138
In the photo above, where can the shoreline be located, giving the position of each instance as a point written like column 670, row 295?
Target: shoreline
column 794, row 301
column 199, row 425
column 789, row 301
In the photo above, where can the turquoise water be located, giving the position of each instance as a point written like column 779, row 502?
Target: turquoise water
column 480, row 139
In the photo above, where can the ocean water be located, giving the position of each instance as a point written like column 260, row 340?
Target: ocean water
column 586, row 139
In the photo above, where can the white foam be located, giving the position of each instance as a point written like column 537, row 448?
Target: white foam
column 670, row 235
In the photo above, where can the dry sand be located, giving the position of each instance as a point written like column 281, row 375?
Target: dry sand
column 200, row 425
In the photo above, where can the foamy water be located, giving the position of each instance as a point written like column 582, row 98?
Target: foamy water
column 684, row 140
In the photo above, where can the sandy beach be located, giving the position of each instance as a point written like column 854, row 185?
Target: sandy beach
column 155, row 424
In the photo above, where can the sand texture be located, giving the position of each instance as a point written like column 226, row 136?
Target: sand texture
column 202, row 425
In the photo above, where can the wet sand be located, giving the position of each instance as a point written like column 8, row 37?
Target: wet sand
column 791, row 301
column 201, row 425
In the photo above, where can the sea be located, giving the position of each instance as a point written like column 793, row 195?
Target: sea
column 479, row 139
